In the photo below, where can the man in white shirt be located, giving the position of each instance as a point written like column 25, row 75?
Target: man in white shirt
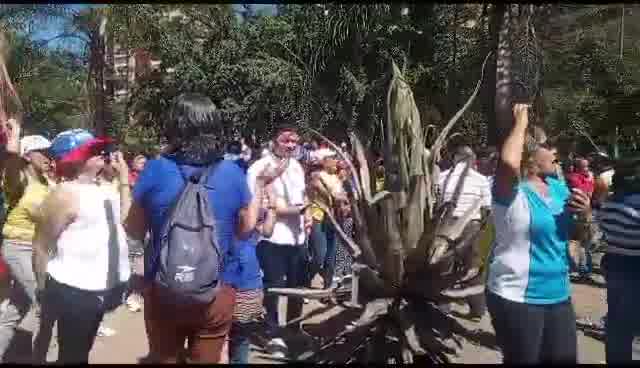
column 282, row 256
column 475, row 187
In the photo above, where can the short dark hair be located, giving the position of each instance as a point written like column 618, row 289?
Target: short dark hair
column 234, row 148
column 284, row 127
column 487, row 153
column 194, row 127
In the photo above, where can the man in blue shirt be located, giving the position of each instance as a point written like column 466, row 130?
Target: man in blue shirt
column 194, row 130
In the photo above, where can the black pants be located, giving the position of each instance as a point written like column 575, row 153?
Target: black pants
column 78, row 314
column 283, row 266
column 533, row 334
column 622, row 323
column 477, row 305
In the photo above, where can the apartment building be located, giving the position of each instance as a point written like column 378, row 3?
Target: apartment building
column 129, row 66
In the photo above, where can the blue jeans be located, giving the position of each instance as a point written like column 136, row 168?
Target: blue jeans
column 21, row 301
column 239, row 342
column 586, row 261
column 78, row 314
column 622, row 322
column 323, row 243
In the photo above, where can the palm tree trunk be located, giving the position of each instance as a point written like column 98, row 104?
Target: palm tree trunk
column 503, row 75
column 452, row 93
column 97, row 59
column 489, row 84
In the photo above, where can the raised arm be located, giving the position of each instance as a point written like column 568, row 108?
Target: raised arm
column 123, row 183
column 257, row 179
column 508, row 171
column 265, row 227
column 14, row 177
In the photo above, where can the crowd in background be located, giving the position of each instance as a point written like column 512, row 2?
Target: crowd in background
column 85, row 231
column 83, row 227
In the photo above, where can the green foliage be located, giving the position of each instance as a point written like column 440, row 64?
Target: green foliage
column 49, row 83
column 326, row 65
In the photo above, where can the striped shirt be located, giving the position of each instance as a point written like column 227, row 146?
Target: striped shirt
column 620, row 223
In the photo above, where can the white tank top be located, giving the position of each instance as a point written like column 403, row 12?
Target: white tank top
column 82, row 256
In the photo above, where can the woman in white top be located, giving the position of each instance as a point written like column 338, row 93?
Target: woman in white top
column 80, row 249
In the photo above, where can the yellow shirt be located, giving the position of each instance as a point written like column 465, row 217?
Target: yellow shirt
column 334, row 185
column 379, row 184
column 20, row 225
column 316, row 213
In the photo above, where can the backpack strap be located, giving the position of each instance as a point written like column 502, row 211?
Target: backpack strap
column 194, row 177
column 206, row 173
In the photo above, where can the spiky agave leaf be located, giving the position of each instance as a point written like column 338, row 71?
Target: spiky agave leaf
column 406, row 266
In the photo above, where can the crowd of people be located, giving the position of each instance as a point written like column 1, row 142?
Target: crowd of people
column 194, row 237
column 84, row 233
column 546, row 220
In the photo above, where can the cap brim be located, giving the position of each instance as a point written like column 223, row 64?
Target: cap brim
column 90, row 148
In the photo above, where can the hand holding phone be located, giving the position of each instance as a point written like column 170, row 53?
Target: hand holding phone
column 579, row 201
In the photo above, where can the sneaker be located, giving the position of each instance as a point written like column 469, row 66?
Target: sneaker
column 278, row 354
column 277, row 348
column 104, row 331
column 133, row 305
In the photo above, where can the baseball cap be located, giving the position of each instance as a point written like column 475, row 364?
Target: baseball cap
column 68, row 140
column 33, row 143
column 76, row 145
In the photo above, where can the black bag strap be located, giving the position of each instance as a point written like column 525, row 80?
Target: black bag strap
column 199, row 176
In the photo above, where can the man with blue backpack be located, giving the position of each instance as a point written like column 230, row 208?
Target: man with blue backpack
column 194, row 203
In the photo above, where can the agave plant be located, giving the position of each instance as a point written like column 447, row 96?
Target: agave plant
column 407, row 238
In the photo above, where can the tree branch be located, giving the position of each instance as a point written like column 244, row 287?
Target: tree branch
column 437, row 146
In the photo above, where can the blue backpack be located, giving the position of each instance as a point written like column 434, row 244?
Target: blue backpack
column 190, row 259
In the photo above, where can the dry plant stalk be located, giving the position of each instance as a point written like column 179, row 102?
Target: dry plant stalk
column 10, row 103
column 406, row 238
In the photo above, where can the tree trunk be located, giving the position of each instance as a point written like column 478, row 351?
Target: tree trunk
column 452, row 91
column 503, row 94
column 489, row 85
column 99, row 93
column 621, row 42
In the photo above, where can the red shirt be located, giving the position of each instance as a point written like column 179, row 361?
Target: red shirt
column 133, row 177
column 581, row 180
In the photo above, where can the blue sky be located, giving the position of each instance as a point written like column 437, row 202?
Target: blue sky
column 53, row 29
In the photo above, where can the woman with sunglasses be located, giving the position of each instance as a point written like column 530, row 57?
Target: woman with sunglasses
column 80, row 247
column 528, row 289
column 26, row 185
